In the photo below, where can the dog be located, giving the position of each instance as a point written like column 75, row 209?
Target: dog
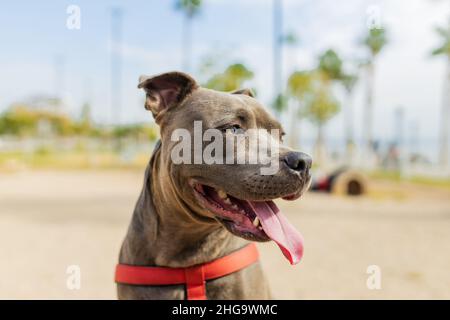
column 189, row 214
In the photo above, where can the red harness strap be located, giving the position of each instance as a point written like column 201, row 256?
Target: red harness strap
column 194, row 277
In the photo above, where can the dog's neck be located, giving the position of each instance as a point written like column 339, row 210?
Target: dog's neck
column 164, row 232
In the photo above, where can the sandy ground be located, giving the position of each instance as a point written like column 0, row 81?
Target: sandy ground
column 51, row 220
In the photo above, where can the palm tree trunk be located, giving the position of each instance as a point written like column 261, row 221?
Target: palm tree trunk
column 445, row 116
column 187, row 43
column 294, row 125
column 348, row 126
column 320, row 146
column 368, row 112
column 277, row 48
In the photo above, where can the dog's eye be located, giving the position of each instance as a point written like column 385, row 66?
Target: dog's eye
column 234, row 129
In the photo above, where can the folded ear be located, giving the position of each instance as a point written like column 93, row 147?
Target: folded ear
column 246, row 91
column 166, row 90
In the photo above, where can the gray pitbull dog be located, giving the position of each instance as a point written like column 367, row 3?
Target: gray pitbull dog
column 189, row 214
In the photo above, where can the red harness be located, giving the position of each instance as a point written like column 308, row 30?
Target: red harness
column 194, row 277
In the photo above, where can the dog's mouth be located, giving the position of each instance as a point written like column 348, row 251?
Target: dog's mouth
column 252, row 220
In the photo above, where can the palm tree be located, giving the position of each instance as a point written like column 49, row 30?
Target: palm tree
column 349, row 81
column 291, row 40
column 279, row 99
column 231, row 79
column 330, row 71
column 314, row 101
column 331, row 65
column 299, row 87
column 320, row 107
column 282, row 102
column 375, row 41
column 190, row 8
column 444, row 50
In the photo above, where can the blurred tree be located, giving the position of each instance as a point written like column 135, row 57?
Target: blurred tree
column 85, row 126
column 231, row 79
column 290, row 39
column 21, row 120
column 300, row 83
column 320, row 107
column 138, row 132
column 444, row 50
column 331, row 65
column 281, row 102
column 299, row 86
column 190, row 8
column 349, row 82
column 278, row 103
column 314, row 101
column 374, row 41
column 329, row 71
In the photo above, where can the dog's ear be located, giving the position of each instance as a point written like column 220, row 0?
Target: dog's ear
column 245, row 91
column 166, row 90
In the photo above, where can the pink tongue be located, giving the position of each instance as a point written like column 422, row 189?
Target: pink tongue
column 279, row 229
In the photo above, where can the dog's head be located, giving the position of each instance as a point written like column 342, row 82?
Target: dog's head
column 223, row 153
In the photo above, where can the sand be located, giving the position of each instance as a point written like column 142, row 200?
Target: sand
column 52, row 220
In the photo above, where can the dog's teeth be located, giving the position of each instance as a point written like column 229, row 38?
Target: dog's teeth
column 222, row 194
column 256, row 222
column 227, row 201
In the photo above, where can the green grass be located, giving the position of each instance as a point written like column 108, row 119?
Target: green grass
column 419, row 180
column 47, row 159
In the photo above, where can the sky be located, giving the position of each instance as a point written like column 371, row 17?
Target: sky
column 33, row 35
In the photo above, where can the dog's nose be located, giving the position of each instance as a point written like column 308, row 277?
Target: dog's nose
column 298, row 161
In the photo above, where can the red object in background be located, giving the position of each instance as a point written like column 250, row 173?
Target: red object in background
column 193, row 277
column 323, row 184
